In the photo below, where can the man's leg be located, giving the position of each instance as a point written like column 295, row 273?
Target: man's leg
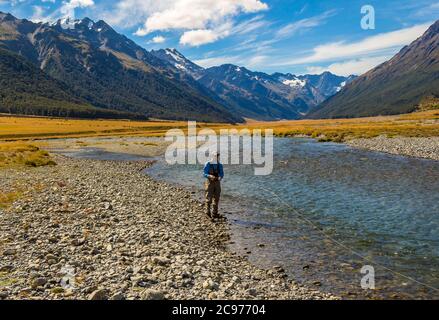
column 208, row 195
column 216, row 199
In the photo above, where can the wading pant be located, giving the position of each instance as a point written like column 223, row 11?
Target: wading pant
column 213, row 193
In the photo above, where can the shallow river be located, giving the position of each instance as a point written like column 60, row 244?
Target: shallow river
column 328, row 210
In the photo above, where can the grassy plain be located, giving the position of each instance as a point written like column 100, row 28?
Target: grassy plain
column 419, row 124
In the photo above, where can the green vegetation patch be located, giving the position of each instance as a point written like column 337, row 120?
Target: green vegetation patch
column 20, row 154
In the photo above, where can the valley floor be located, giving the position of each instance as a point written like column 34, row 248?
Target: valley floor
column 87, row 229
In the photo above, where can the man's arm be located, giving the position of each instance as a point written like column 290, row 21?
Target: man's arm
column 206, row 170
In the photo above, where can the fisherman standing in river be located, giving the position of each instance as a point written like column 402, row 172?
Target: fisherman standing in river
column 214, row 173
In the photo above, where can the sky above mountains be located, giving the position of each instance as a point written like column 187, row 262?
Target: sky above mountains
column 294, row 36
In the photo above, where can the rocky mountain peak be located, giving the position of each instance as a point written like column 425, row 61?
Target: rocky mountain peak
column 7, row 17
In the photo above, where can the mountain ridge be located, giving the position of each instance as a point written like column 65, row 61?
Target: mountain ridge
column 253, row 94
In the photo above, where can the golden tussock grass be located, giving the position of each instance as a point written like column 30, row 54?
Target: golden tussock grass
column 16, row 154
column 418, row 124
column 23, row 128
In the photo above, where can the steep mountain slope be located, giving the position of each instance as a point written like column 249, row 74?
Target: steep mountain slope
column 25, row 89
column 108, row 70
column 179, row 61
column 258, row 95
column 396, row 86
column 251, row 94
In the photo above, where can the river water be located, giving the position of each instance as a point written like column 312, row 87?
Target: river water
column 328, row 210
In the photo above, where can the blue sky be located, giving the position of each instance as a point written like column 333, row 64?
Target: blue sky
column 294, row 36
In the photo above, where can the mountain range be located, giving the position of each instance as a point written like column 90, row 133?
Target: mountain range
column 99, row 68
column 84, row 68
column 258, row 95
column 396, row 86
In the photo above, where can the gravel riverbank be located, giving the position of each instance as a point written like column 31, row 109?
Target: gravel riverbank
column 427, row 148
column 104, row 230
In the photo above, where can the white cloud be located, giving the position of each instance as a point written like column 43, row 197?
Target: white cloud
column 68, row 7
column 430, row 10
column 11, row 2
column 158, row 39
column 202, row 21
column 381, row 43
column 199, row 37
column 196, row 14
column 256, row 61
column 349, row 67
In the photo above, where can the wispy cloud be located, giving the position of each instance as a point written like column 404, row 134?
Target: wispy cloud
column 384, row 43
column 257, row 50
column 429, row 10
column 303, row 25
column 251, row 25
column 349, row 67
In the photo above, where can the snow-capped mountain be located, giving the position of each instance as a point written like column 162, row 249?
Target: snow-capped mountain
column 326, row 84
column 256, row 94
column 176, row 59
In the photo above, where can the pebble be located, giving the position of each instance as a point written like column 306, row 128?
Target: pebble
column 151, row 294
column 9, row 252
column 210, row 285
column 38, row 282
column 99, row 295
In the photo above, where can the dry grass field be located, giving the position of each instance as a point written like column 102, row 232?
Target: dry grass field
column 25, row 128
column 419, row 124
